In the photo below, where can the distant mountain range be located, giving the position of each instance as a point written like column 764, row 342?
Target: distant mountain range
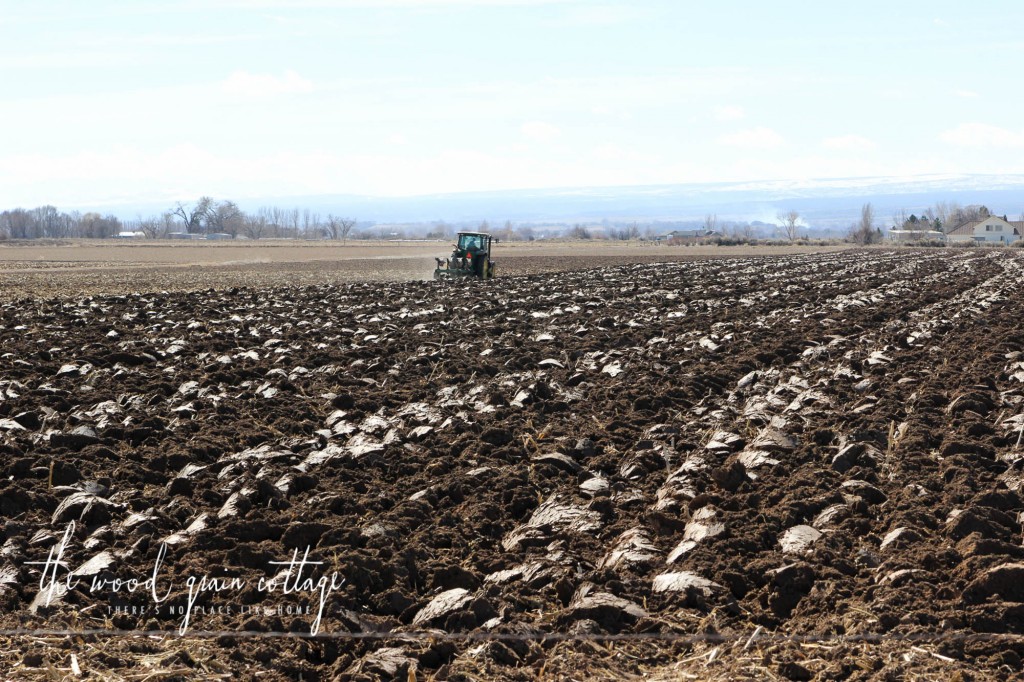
column 825, row 204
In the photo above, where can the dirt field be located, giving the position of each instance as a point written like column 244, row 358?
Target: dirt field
column 786, row 466
column 28, row 270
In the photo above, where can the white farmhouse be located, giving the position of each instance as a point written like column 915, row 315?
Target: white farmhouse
column 991, row 230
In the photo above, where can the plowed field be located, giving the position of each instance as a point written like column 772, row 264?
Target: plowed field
column 785, row 467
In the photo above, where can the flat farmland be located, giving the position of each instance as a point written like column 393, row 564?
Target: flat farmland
column 634, row 464
column 31, row 270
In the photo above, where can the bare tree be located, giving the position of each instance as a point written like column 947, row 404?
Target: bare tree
column 311, row 224
column 192, row 218
column 580, row 231
column 865, row 232
column 710, row 222
column 17, row 223
column 507, row 232
column 95, row 226
column 256, row 224
column 277, row 219
column 333, row 226
column 949, row 215
column 789, row 220
column 899, row 218
column 225, row 217
column 933, row 223
column 626, row 233
column 47, row 221
column 150, row 227
column 867, row 217
column 944, row 214
column 339, row 228
column 168, row 222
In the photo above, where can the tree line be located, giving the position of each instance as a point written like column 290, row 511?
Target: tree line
column 204, row 217
column 208, row 216
column 943, row 216
column 47, row 222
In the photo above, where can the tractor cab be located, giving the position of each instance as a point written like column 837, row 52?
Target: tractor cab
column 471, row 257
column 473, row 243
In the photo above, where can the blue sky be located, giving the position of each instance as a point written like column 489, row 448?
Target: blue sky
column 150, row 101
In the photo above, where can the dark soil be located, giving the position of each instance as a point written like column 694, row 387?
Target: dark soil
column 800, row 467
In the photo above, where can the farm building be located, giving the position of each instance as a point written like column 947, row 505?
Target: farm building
column 687, row 235
column 991, row 230
column 219, row 235
column 907, row 236
column 128, row 234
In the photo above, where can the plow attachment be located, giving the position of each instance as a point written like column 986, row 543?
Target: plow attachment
column 454, row 268
column 457, row 268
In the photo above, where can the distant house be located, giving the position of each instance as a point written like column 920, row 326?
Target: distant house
column 687, row 235
column 182, row 235
column 907, row 236
column 130, row 235
column 990, row 230
column 219, row 235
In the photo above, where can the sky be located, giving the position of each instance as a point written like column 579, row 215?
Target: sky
column 116, row 101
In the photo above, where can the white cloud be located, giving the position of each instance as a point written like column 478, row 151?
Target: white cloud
column 848, row 143
column 753, row 138
column 807, row 167
column 982, row 135
column 245, row 84
column 539, row 131
column 729, row 113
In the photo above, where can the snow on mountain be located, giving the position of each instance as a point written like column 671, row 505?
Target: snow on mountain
column 828, row 203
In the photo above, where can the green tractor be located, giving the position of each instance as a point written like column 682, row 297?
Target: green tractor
column 471, row 258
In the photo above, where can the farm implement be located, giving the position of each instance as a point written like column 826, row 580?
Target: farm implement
column 471, row 258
